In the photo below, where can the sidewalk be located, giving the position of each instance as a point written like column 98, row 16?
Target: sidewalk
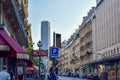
column 35, row 79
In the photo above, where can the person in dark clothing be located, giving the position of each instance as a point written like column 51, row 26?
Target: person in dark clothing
column 104, row 76
column 10, row 71
column 52, row 74
column 56, row 70
column 20, row 76
column 95, row 77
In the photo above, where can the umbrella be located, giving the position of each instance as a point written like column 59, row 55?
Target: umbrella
column 30, row 68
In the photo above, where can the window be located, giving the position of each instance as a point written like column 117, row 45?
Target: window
column 117, row 50
column 111, row 52
column 106, row 53
column 114, row 51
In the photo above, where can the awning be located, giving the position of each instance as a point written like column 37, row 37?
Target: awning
column 6, row 39
column 11, row 46
column 30, row 68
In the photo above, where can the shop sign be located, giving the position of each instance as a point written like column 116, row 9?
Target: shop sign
column 108, row 63
column 40, row 53
column 4, row 48
column 22, row 56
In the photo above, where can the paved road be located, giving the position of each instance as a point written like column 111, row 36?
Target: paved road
column 68, row 78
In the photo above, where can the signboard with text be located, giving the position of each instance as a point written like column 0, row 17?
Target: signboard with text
column 54, row 52
column 40, row 53
column 22, row 56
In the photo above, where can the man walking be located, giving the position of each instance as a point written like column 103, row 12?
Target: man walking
column 4, row 75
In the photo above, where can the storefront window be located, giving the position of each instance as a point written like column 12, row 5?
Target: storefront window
column 118, row 70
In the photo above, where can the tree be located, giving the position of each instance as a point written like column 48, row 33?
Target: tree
column 30, row 51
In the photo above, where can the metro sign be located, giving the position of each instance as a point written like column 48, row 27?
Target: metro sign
column 40, row 53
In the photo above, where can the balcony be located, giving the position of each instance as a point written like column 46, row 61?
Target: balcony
column 75, row 59
column 23, row 37
column 82, row 56
column 81, row 39
column 81, row 48
column 60, row 64
column 88, row 53
column 88, row 32
column 17, row 24
column 88, row 43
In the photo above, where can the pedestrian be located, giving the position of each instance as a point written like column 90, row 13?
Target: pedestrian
column 52, row 74
column 56, row 70
column 28, row 75
column 95, row 77
column 4, row 75
column 36, row 75
column 20, row 75
column 10, row 71
column 103, row 76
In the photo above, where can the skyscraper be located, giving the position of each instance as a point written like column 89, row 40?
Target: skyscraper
column 45, row 39
column 45, row 35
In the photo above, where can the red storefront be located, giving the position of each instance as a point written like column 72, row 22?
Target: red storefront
column 12, row 54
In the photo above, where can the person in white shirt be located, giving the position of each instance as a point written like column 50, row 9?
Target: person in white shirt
column 4, row 75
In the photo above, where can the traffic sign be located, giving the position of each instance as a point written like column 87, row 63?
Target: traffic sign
column 54, row 52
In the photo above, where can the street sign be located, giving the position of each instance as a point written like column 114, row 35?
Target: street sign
column 40, row 53
column 54, row 52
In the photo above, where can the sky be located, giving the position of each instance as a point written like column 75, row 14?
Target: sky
column 64, row 16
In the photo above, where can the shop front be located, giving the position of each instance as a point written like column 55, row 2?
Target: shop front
column 111, row 65
column 12, row 54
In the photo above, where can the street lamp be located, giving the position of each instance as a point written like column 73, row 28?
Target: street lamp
column 39, row 44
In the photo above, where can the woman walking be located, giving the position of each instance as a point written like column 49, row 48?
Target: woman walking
column 52, row 74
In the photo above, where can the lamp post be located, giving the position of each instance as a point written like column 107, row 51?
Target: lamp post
column 39, row 44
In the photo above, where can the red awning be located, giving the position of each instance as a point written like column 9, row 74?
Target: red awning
column 6, row 39
column 30, row 68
